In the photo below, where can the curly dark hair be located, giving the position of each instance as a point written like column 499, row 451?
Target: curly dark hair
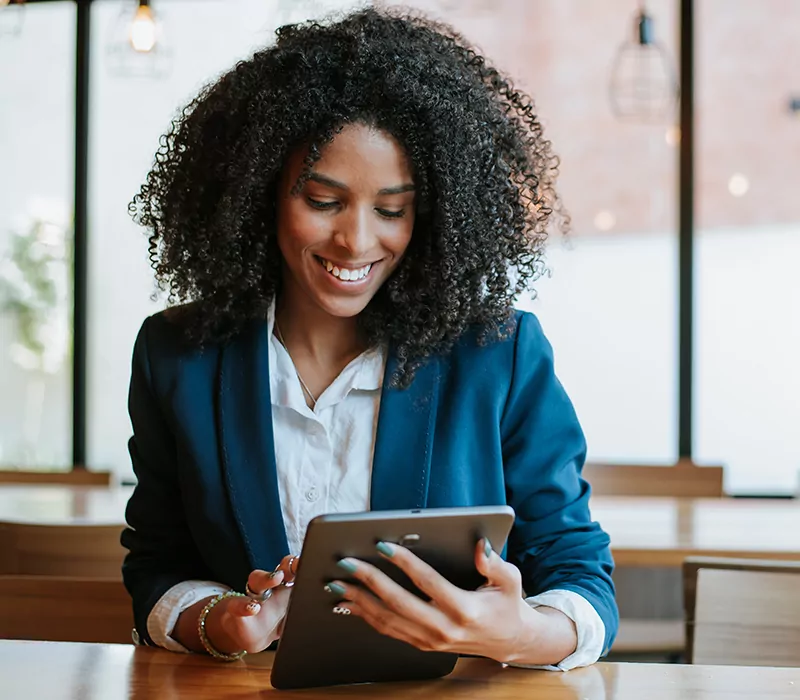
column 484, row 175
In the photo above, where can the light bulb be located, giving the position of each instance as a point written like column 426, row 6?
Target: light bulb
column 143, row 30
column 605, row 220
column 738, row 185
column 673, row 136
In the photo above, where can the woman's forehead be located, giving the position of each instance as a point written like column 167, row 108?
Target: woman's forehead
column 358, row 155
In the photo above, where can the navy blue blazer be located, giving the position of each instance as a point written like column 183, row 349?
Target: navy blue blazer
column 484, row 425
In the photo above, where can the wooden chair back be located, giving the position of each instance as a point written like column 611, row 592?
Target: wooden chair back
column 75, row 477
column 65, row 609
column 742, row 612
column 683, row 480
column 651, row 620
column 61, row 550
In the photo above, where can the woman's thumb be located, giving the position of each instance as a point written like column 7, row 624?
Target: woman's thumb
column 242, row 606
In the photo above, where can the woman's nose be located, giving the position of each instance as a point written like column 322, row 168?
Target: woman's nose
column 354, row 233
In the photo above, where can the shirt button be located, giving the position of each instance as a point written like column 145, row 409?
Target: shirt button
column 312, row 495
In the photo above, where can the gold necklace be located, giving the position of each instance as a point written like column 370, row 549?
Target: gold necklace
column 296, row 371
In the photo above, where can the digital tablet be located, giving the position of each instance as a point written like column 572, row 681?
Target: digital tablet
column 318, row 648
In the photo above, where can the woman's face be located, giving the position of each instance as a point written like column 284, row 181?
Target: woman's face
column 346, row 231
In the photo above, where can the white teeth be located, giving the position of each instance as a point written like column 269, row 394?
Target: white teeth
column 345, row 274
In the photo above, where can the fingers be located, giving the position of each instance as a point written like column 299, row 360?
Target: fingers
column 499, row 573
column 259, row 581
column 261, row 584
column 385, row 621
column 252, row 625
column 379, row 596
column 448, row 597
column 289, row 565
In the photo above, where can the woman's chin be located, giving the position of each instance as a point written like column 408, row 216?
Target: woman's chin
column 342, row 307
column 339, row 297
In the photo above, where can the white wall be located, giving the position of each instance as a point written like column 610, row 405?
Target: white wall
column 747, row 353
column 610, row 310
column 610, row 307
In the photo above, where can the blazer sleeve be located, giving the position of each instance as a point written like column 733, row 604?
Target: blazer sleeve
column 162, row 551
column 554, row 542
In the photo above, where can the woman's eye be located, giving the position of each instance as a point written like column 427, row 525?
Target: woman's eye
column 317, row 204
column 389, row 214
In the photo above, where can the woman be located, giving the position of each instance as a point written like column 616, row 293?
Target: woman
column 351, row 214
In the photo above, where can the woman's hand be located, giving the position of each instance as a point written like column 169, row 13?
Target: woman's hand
column 242, row 623
column 494, row 621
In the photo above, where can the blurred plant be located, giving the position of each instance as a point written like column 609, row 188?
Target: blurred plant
column 35, row 288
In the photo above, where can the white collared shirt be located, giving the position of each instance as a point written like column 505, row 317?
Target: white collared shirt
column 324, row 465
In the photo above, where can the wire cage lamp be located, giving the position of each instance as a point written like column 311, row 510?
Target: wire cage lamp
column 643, row 86
column 136, row 46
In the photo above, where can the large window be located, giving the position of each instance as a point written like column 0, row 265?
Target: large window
column 610, row 306
column 37, row 96
column 748, row 242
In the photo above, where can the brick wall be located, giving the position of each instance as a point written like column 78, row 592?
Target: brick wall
column 748, row 68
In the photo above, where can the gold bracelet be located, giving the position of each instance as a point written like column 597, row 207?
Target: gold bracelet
column 201, row 628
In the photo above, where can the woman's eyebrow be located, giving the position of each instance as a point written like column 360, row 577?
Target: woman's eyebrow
column 327, row 181
column 398, row 189
column 335, row 184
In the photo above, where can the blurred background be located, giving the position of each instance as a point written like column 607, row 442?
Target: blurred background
column 605, row 83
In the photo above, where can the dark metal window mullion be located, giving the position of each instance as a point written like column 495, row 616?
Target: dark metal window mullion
column 80, row 251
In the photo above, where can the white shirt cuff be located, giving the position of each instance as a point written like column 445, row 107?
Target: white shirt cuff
column 588, row 625
column 165, row 613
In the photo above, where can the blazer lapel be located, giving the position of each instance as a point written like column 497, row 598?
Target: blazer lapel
column 402, row 459
column 248, row 446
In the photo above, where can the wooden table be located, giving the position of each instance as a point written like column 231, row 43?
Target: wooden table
column 644, row 531
column 59, row 671
column 662, row 532
column 63, row 505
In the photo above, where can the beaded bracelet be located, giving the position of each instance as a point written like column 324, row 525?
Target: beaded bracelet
column 201, row 628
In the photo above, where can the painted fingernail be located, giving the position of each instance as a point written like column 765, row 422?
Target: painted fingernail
column 253, row 608
column 339, row 610
column 348, row 566
column 335, row 588
column 487, row 547
column 385, row 548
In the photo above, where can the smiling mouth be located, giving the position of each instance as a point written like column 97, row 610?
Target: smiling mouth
column 345, row 274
